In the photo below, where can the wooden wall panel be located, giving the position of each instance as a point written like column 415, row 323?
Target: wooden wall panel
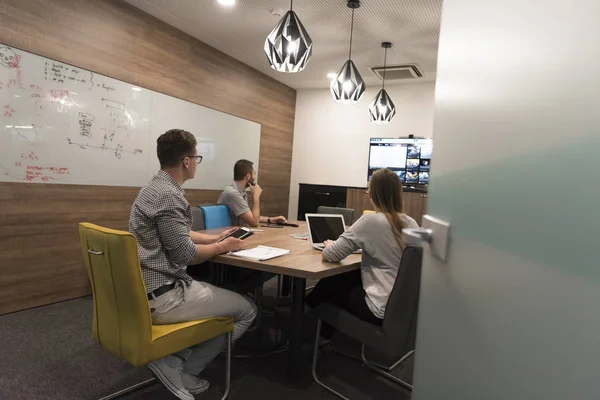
column 358, row 200
column 40, row 260
column 414, row 203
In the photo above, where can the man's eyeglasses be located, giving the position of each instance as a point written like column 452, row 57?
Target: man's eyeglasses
column 198, row 158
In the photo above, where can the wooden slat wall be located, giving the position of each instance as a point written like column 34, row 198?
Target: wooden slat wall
column 358, row 200
column 414, row 203
column 40, row 259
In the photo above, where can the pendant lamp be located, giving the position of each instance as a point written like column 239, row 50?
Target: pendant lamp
column 382, row 109
column 348, row 86
column 288, row 47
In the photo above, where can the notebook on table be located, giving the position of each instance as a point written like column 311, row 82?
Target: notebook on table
column 261, row 253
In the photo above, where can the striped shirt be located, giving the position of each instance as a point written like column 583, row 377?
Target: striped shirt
column 161, row 220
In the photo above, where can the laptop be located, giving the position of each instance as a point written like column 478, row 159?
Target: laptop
column 322, row 227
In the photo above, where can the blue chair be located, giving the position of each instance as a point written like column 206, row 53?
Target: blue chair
column 216, row 216
column 211, row 217
column 243, row 281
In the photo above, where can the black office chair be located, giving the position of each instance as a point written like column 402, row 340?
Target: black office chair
column 348, row 213
column 396, row 336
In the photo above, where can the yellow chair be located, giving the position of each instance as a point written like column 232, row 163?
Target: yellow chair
column 368, row 212
column 122, row 321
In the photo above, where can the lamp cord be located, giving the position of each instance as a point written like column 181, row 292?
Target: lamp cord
column 384, row 64
column 351, row 30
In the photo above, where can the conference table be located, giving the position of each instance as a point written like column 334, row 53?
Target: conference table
column 302, row 263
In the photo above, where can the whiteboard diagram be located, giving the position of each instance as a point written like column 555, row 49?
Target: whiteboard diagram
column 64, row 124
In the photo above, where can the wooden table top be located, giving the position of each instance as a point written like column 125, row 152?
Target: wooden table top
column 302, row 262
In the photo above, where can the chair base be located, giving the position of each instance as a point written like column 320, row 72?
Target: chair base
column 154, row 380
column 130, row 389
column 387, row 368
column 373, row 366
column 382, row 372
column 228, row 368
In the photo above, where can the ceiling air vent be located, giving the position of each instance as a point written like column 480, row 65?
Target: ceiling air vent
column 397, row 72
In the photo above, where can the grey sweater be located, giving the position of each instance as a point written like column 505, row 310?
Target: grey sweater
column 380, row 256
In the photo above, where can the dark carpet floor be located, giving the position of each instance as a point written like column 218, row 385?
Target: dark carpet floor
column 48, row 353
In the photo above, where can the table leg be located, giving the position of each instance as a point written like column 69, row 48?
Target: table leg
column 295, row 350
column 285, row 286
column 216, row 273
column 212, row 273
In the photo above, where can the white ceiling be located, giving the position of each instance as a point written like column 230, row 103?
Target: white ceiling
column 240, row 31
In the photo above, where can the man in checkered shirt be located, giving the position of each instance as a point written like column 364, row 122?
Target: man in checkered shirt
column 161, row 220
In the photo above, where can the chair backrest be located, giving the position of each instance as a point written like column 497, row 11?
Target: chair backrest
column 400, row 322
column 348, row 213
column 122, row 321
column 197, row 219
column 216, row 216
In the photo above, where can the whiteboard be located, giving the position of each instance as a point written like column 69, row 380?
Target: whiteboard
column 63, row 124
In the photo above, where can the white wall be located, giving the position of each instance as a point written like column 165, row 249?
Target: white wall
column 331, row 141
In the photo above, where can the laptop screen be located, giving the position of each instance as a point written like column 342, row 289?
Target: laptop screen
column 324, row 228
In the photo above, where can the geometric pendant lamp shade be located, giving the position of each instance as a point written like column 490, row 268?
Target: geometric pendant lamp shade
column 382, row 109
column 288, row 46
column 348, row 86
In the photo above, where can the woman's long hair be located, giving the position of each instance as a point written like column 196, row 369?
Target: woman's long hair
column 385, row 191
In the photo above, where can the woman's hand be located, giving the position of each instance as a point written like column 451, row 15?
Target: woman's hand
column 326, row 243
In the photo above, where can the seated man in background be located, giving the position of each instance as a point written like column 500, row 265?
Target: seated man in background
column 235, row 197
column 161, row 220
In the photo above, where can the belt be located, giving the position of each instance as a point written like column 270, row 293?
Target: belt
column 160, row 291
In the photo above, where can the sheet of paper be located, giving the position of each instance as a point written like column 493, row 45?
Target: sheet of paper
column 261, row 253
